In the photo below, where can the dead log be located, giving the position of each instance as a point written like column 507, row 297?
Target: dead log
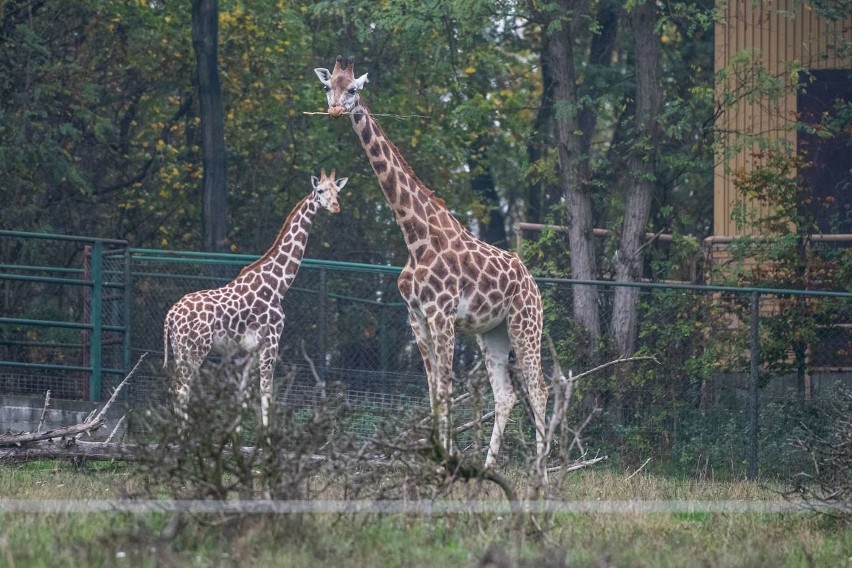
column 64, row 440
column 68, row 449
column 7, row 440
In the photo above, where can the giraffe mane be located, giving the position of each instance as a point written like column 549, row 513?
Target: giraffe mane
column 406, row 167
column 279, row 239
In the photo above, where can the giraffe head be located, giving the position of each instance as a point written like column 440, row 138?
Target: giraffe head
column 326, row 189
column 341, row 86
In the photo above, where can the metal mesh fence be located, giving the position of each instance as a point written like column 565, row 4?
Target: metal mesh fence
column 57, row 294
column 347, row 320
column 694, row 410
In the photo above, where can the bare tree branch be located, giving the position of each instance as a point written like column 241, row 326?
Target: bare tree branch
column 121, row 385
column 115, row 430
column 641, row 467
column 319, row 381
column 40, row 426
column 94, row 421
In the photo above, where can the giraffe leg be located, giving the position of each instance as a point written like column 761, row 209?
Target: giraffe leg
column 187, row 364
column 525, row 337
column 443, row 340
column 268, row 358
column 270, row 335
column 495, row 348
column 423, row 339
column 182, row 386
column 189, row 355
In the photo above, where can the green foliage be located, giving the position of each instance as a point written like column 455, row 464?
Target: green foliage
column 784, row 251
column 100, row 128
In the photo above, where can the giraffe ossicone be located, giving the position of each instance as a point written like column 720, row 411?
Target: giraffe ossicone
column 452, row 281
column 246, row 314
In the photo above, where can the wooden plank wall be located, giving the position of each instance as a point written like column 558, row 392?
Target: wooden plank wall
column 776, row 34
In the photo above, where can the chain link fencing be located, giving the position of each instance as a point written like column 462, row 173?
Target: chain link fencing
column 63, row 315
column 706, row 407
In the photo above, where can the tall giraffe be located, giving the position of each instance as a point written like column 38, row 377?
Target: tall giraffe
column 452, row 281
column 246, row 314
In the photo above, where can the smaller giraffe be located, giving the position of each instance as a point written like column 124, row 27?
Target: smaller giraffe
column 246, row 314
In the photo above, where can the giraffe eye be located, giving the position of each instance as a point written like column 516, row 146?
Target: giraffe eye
column 326, row 88
column 352, row 91
column 320, row 190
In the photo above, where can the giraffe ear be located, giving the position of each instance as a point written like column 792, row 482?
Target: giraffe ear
column 314, row 181
column 361, row 81
column 340, row 183
column 323, row 74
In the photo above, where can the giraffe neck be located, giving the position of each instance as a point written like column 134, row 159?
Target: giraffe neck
column 425, row 220
column 284, row 257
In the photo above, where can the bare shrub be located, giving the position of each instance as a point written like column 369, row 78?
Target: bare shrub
column 826, row 486
column 221, row 450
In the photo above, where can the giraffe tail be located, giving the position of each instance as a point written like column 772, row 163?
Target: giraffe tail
column 166, row 340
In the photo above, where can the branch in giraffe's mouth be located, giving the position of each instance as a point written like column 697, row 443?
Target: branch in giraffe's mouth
column 324, row 113
column 335, row 112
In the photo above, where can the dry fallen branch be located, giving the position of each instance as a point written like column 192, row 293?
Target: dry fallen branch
column 63, row 442
column 44, row 408
column 18, row 440
column 641, row 467
column 100, row 417
column 71, row 448
column 577, row 464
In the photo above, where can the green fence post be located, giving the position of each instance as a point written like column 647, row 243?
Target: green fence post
column 384, row 348
column 128, row 287
column 96, row 321
column 323, row 324
column 754, row 341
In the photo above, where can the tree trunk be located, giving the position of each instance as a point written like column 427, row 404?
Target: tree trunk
column 600, row 55
column 214, row 209
column 630, row 258
column 539, row 193
column 493, row 230
column 577, row 198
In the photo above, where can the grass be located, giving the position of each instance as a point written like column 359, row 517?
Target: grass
column 577, row 540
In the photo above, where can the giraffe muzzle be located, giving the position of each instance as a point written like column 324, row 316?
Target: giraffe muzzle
column 336, row 111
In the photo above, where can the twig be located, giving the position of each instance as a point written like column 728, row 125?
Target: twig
column 562, row 388
column 114, row 430
column 577, row 465
column 461, row 398
column 578, row 441
column 463, row 428
column 638, row 470
column 401, row 116
column 396, row 116
column 43, row 412
column 561, row 393
column 616, row 362
column 317, row 379
column 289, row 379
column 468, row 425
column 102, row 413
